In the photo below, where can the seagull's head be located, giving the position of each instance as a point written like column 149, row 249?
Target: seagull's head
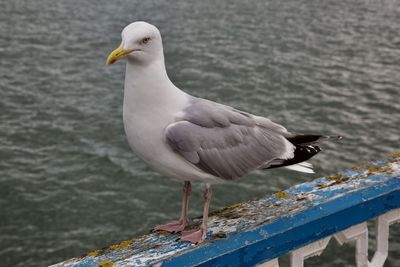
column 141, row 43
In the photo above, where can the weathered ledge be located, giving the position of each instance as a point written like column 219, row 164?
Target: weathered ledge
column 253, row 232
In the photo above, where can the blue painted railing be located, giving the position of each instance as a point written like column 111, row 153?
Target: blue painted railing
column 299, row 220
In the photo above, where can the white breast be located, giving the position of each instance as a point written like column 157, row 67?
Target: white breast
column 151, row 103
column 146, row 137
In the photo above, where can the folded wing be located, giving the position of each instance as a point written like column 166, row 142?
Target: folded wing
column 226, row 142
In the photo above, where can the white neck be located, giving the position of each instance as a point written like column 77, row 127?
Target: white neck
column 148, row 88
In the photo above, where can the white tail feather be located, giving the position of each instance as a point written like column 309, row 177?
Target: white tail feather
column 305, row 164
column 301, row 167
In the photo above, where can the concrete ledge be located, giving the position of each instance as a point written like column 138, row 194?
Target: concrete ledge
column 253, row 232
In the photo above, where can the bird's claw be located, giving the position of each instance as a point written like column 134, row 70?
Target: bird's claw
column 172, row 227
column 194, row 236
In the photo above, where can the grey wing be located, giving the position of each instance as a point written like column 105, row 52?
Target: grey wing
column 225, row 142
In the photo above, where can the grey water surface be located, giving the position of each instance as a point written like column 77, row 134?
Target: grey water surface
column 69, row 183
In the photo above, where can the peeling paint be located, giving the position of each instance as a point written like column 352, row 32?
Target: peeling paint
column 226, row 224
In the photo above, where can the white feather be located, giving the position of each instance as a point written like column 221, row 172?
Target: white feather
column 305, row 164
column 301, row 167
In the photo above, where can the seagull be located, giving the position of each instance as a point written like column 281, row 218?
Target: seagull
column 193, row 139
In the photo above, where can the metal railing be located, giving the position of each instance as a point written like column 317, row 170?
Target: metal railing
column 300, row 220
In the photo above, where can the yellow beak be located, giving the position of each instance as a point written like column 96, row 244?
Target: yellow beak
column 117, row 54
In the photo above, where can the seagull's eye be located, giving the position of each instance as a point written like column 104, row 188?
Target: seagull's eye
column 145, row 40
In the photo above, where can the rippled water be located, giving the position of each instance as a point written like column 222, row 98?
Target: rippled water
column 68, row 180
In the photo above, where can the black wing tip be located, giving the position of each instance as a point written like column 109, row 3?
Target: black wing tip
column 301, row 153
column 309, row 139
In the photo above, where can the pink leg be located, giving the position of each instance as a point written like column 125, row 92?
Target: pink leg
column 178, row 226
column 198, row 236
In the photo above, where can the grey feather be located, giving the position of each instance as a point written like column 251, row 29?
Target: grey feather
column 226, row 142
